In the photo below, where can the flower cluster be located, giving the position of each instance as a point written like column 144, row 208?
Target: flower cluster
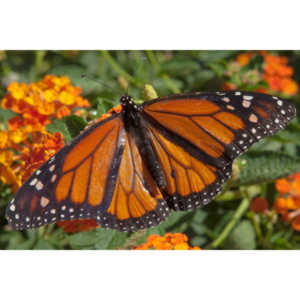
column 26, row 144
column 170, row 241
column 287, row 203
column 278, row 75
column 275, row 76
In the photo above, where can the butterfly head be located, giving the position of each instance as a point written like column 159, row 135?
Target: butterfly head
column 127, row 103
column 126, row 100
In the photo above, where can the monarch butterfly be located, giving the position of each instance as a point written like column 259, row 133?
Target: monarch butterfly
column 129, row 170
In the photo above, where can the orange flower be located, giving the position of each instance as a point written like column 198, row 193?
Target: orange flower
column 228, row 86
column 113, row 110
column 288, row 202
column 52, row 97
column 78, row 225
column 283, row 185
column 170, row 241
column 36, row 105
column 296, row 223
column 244, row 58
column 278, row 75
column 289, row 86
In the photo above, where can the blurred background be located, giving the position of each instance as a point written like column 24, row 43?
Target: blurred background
column 46, row 101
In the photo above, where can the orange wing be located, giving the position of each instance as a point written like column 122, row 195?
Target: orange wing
column 197, row 137
column 190, row 181
column 99, row 175
column 137, row 202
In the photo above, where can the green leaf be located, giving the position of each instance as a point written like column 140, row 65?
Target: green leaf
column 97, row 239
column 110, row 239
column 75, row 124
column 82, row 240
column 215, row 55
column 242, row 237
column 43, row 245
column 5, row 115
column 104, row 104
column 60, row 126
column 266, row 166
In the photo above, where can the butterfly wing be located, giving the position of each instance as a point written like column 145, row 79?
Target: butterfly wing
column 197, row 137
column 88, row 179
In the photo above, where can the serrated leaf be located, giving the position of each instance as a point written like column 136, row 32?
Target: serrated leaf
column 60, row 126
column 75, row 124
column 266, row 166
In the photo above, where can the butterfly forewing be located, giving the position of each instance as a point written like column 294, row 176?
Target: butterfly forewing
column 64, row 187
column 100, row 175
column 208, row 130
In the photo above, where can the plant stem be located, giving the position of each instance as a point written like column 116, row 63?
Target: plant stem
column 236, row 217
column 153, row 60
column 116, row 66
column 170, row 84
column 38, row 62
column 257, row 228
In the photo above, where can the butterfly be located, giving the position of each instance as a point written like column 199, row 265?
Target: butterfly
column 129, row 170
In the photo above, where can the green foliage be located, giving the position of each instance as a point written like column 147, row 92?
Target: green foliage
column 225, row 223
column 242, row 237
column 75, row 124
column 60, row 126
column 265, row 166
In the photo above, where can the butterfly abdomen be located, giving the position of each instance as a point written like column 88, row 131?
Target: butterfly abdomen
column 137, row 128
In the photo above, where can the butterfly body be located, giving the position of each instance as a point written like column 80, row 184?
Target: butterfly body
column 129, row 170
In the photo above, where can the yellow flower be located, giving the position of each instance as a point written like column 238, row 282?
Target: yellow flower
column 66, row 98
column 18, row 136
column 49, row 95
column 170, row 241
column 3, row 139
column 181, row 246
column 6, row 157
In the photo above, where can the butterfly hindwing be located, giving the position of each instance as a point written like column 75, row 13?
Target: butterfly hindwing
column 137, row 203
column 190, row 182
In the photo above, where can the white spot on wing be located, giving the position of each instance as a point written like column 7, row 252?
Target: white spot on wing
column 53, row 178
column 52, row 168
column 253, row 118
column 246, row 103
column 39, row 186
column 33, row 181
column 44, row 201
